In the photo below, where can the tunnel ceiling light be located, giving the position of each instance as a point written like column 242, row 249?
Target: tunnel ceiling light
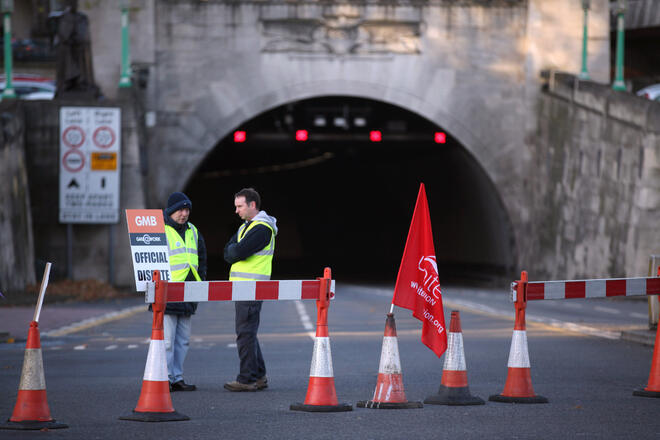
column 240, row 136
column 440, row 137
column 339, row 121
column 302, row 135
column 319, row 121
column 375, row 136
column 360, row 122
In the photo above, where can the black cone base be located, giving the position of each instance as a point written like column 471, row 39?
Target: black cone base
column 321, row 408
column 643, row 393
column 388, row 405
column 155, row 417
column 454, row 396
column 507, row 399
column 33, row 425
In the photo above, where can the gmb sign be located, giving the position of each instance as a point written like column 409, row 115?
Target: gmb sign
column 90, row 164
column 149, row 252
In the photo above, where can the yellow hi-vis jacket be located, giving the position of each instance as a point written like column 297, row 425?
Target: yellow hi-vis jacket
column 183, row 255
column 257, row 266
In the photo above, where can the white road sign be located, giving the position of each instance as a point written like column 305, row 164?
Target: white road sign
column 90, row 164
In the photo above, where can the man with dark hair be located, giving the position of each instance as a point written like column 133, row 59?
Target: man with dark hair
column 250, row 253
column 187, row 255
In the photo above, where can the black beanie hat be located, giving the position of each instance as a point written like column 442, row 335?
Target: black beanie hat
column 176, row 201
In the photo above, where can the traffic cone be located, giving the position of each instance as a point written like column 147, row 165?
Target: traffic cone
column 155, row 402
column 321, row 395
column 389, row 393
column 31, row 410
column 518, row 387
column 653, row 387
column 454, row 388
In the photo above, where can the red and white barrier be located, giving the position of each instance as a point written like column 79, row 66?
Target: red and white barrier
column 596, row 288
column 201, row 291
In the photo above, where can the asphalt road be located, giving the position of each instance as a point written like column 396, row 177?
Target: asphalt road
column 94, row 376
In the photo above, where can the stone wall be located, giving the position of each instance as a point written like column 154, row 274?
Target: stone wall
column 91, row 243
column 17, row 266
column 596, row 197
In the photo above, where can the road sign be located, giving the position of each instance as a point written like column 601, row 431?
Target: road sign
column 90, row 164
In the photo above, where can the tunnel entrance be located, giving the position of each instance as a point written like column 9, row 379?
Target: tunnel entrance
column 341, row 175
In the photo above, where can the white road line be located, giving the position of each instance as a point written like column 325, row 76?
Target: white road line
column 80, row 347
column 304, row 319
column 571, row 304
column 231, row 345
column 92, row 322
column 607, row 310
column 132, row 346
column 638, row 315
column 111, row 347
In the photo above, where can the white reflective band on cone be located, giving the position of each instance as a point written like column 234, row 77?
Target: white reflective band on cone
column 156, row 367
column 322, row 358
column 389, row 356
column 455, row 356
column 32, row 375
column 519, row 356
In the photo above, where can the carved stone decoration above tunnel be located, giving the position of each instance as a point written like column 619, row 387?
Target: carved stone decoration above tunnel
column 341, row 32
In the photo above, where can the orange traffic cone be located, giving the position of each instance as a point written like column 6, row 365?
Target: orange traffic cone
column 454, row 388
column 31, row 410
column 389, row 393
column 518, row 387
column 155, row 402
column 321, row 395
column 653, row 387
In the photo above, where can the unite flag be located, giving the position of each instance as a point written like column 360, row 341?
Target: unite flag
column 417, row 285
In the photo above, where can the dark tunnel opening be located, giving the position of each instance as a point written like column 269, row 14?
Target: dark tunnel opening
column 344, row 200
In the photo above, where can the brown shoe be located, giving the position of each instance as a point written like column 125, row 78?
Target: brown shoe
column 237, row 386
column 262, row 383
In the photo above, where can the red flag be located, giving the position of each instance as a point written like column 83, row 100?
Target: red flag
column 417, row 285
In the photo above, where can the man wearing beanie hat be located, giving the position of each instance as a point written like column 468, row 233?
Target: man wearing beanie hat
column 187, row 254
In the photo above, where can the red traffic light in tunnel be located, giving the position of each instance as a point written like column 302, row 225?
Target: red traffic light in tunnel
column 375, row 136
column 302, row 135
column 440, row 137
column 240, row 136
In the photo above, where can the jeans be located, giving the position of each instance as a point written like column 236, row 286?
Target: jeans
column 249, row 352
column 177, row 336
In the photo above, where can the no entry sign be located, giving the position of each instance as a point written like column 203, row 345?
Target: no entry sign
column 90, row 158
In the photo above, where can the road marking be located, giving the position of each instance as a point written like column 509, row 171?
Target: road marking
column 132, row 346
column 638, row 315
column 304, row 319
column 607, row 310
column 231, row 345
column 80, row 347
column 92, row 322
column 571, row 305
column 111, row 347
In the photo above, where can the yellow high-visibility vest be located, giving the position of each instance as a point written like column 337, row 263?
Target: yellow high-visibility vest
column 183, row 254
column 257, row 266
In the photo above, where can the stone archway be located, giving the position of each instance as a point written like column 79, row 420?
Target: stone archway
column 325, row 206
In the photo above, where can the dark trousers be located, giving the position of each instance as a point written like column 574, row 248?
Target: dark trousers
column 249, row 352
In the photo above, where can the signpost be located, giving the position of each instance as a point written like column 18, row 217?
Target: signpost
column 90, row 170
